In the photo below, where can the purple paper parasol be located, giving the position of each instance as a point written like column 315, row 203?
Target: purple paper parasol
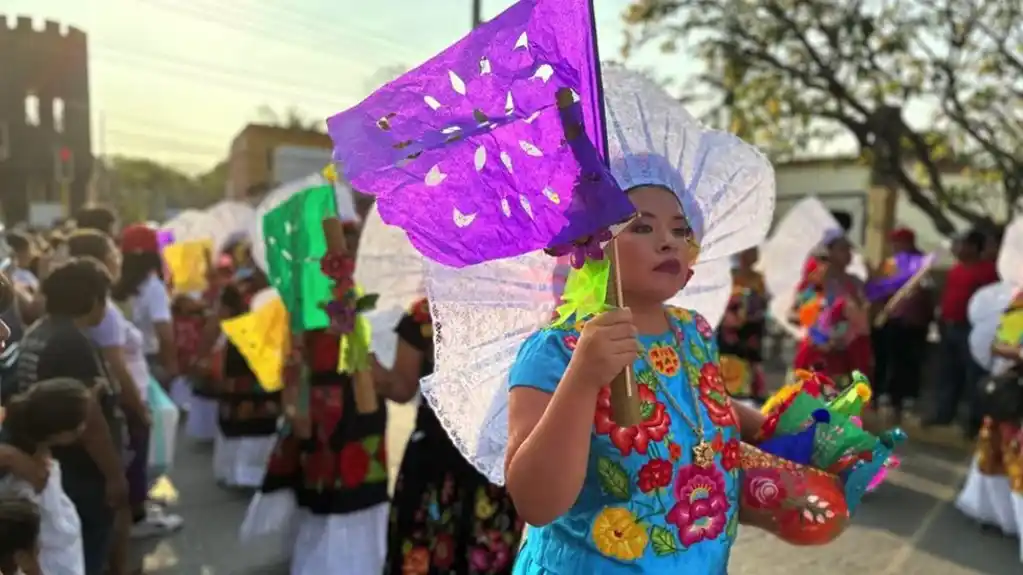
column 494, row 147
column 906, row 265
column 164, row 238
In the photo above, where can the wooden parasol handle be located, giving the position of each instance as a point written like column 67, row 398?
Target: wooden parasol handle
column 366, row 400
column 904, row 292
column 625, row 408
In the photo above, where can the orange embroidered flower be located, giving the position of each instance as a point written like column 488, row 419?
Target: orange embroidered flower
column 664, row 359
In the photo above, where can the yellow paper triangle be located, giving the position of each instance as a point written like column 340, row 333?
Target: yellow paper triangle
column 188, row 263
column 262, row 338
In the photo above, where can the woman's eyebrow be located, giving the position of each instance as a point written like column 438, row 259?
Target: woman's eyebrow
column 678, row 217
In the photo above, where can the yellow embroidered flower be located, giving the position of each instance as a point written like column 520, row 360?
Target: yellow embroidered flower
column 736, row 374
column 683, row 315
column 664, row 359
column 485, row 508
column 617, row 534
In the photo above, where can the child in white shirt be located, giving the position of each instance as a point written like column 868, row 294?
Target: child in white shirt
column 49, row 414
column 19, row 536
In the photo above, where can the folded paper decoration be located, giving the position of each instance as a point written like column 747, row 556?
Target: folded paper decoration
column 494, row 147
column 262, row 338
column 188, row 264
column 898, row 270
column 293, row 232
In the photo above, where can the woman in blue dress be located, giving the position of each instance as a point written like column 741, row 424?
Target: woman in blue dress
column 660, row 495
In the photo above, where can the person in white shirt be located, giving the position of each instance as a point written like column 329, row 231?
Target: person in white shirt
column 50, row 414
column 19, row 536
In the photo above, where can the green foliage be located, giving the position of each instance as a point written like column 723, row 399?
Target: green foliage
column 791, row 75
column 141, row 189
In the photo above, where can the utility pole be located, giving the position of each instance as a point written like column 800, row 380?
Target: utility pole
column 477, row 13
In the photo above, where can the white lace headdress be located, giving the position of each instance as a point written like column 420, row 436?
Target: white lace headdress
column 989, row 302
column 387, row 265
column 806, row 227
column 483, row 313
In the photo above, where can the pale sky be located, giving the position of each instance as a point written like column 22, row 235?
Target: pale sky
column 174, row 80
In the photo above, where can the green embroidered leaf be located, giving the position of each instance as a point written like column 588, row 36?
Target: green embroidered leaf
column 613, row 478
column 693, row 373
column 406, row 547
column 662, row 541
column 648, row 378
column 732, row 529
column 646, row 409
column 371, row 444
column 697, row 352
column 376, row 473
column 367, row 302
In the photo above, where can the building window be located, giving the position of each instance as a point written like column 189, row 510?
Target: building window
column 31, row 109
column 58, row 115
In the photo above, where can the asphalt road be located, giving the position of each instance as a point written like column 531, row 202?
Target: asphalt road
column 908, row 527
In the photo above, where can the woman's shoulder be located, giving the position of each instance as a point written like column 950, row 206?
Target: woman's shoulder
column 691, row 319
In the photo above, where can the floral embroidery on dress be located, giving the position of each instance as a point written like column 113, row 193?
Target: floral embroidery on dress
column 659, row 501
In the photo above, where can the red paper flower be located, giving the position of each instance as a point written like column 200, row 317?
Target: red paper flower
column 420, row 311
column 654, row 474
column 338, row 267
column 353, row 464
column 656, row 422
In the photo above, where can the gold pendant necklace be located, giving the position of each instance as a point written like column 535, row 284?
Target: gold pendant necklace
column 702, row 452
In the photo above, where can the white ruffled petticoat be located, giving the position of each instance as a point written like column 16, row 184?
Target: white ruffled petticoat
column 349, row 544
column 988, row 499
column 242, row 461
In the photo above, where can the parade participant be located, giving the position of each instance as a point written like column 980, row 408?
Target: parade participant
column 445, row 516
column 599, row 497
column 50, row 414
column 99, row 218
column 902, row 338
column 248, row 414
column 20, row 525
column 23, row 252
column 993, row 492
column 742, row 332
column 142, row 291
column 831, row 305
column 93, row 475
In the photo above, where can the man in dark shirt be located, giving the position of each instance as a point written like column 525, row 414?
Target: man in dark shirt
column 959, row 372
column 55, row 346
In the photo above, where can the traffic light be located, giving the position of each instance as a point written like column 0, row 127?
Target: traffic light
column 64, row 165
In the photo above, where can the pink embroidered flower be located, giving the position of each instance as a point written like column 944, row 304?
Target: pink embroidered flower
column 571, row 340
column 762, row 489
column 702, row 326
column 701, row 507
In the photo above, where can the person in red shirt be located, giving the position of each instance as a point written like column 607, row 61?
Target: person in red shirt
column 959, row 372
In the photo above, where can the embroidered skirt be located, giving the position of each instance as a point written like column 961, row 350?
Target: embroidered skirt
column 993, row 492
column 446, row 518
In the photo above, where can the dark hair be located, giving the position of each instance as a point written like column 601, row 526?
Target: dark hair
column 97, row 218
column 233, row 300
column 89, row 243
column 19, row 527
column 6, row 293
column 975, row 239
column 135, row 268
column 843, row 218
column 74, row 288
column 19, row 241
column 46, row 409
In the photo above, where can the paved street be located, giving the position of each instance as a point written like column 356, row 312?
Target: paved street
column 907, row 528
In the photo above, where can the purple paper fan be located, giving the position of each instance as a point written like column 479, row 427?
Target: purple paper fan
column 471, row 155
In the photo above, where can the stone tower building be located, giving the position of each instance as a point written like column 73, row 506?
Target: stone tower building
column 45, row 136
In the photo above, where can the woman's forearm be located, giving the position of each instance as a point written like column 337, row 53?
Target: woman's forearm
column 546, row 473
column 750, row 421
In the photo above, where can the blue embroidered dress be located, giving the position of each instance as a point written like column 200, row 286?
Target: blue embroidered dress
column 645, row 506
